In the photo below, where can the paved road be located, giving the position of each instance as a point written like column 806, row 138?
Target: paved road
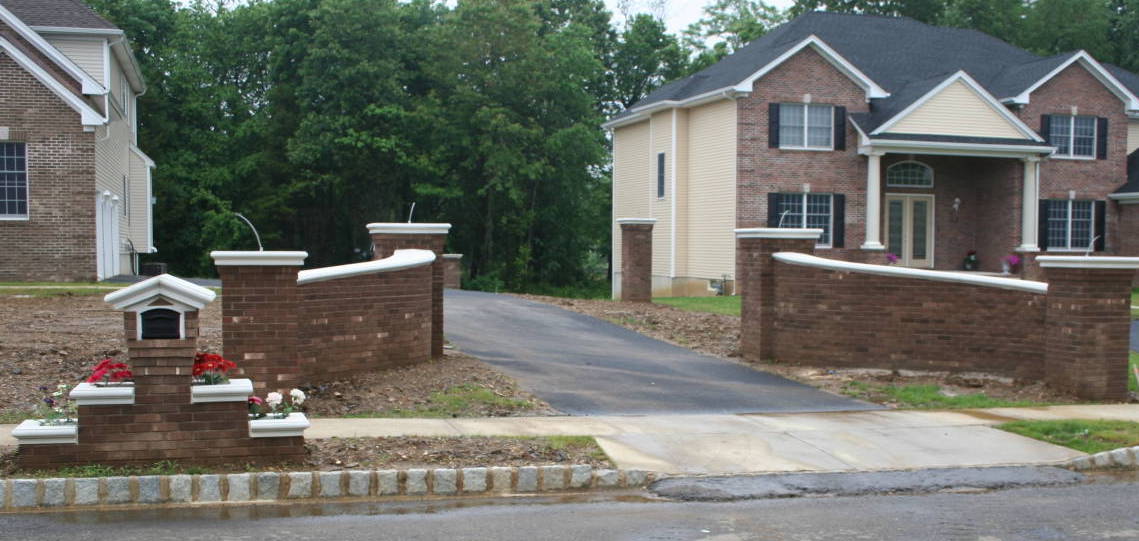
column 584, row 366
column 1095, row 511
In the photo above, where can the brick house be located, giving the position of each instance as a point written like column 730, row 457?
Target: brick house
column 75, row 189
column 894, row 137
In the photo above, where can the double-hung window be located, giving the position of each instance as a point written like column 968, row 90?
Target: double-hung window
column 1071, row 224
column 13, row 181
column 1073, row 136
column 807, row 210
column 805, row 125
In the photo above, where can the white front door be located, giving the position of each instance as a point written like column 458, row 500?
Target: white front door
column 909, row 229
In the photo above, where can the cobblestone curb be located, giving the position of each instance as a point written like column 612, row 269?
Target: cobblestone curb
column 1124, row 457
column 24, row 494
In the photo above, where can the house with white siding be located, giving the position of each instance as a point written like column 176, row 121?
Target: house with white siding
column 906, row 143
column 75, row 188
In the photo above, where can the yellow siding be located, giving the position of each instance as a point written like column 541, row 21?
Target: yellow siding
column 1132, row 136
column 711, row 190
column 630, row 179
column 139, row 201
column 957, row 110
column 86, row 53
column 660, row 207
column 681, row 206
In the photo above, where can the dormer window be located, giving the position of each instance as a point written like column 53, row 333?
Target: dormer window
column 806, row 126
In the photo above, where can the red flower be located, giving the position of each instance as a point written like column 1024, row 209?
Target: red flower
column 109, row 370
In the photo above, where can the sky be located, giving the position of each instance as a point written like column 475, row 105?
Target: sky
column 678, row 14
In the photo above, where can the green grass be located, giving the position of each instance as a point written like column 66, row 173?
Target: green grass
column 926, row 397
column 584, row 443
column 456, row 401
column 728, row 305
column 1086, row 436
column 1135, row 302
column 165, row 467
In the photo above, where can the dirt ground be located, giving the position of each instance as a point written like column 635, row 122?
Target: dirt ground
column 718, row 335
column 45, row 340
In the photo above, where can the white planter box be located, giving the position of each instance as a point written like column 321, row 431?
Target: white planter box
column 237, row 390
column 31, row 432
column 268, row 427
column 89, row 394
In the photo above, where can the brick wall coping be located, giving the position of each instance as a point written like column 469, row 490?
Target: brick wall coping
column 258, row 259
column 408, row 229
column 1087, row 262
column 452, row 256
column 291, row 426
column 1028, row 286
column 165, row 285
column 31, row 432
column 636, row 221
column 87, row 394
column 778, row 233
column 400, row 260
column 237, row 390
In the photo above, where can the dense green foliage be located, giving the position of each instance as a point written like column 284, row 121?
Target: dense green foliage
column 315, row 117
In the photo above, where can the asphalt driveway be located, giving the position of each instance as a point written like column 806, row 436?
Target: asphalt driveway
column 585, row 366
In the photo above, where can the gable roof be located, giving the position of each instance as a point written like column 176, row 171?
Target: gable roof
column 57, row 13
column 88, row 115
column 87, row 84
column 905, row 57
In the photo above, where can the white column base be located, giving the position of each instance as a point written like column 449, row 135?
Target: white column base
column 872, row 246
column 1027, row 248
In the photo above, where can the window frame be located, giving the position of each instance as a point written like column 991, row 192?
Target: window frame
column 1069, row 203
column 27, row 187
column 661, row 180
column 803, row 206
column 1071, row 154
column 911, row 186
column 805, row 107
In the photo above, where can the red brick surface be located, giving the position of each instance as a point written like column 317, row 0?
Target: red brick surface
column 385, row 244
column 452, row 273
column 755, row 272
column 259, row 324
column 637, row 262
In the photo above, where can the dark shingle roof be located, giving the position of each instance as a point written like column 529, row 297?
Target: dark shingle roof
column 905, row 57
column 1132, row 185
column 62, row 13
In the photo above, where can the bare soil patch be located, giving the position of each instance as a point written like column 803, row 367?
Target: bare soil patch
column 718, row 335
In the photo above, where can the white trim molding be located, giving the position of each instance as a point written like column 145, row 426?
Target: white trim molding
column 806, row 260
column 778, row 233
column 89, row 85
column 267, row 427
column 399, row 228
column 399, row 260
column 1130, row 100
column 1087, row 262
column 1125, row 198
column 88, row 116
column 258, row 259
column 450, row 256
column 982, row 150
column 989, row 99
column 31, row 432
column 237, row 390
column 636, row 221
column 115, row 394
column 873, row 90
column 165, row 286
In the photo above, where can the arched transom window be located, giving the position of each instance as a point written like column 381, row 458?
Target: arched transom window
column 909, row 175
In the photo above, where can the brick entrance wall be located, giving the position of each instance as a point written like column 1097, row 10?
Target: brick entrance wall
column 387, row 238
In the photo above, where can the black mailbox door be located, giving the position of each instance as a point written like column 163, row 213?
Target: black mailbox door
column 161, row 323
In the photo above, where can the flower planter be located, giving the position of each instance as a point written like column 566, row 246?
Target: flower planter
column 269, row 427
column 90, row 394
column 31, row 432
column 237, row 390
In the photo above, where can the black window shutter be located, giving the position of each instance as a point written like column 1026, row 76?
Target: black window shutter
column 1101, row 139
column 1046, row 128
column 773, row 125
column 773, row 209
column 1042, row 225
column 839, row 128
column 660, row 174
column 1100, row 222
column 838, row 219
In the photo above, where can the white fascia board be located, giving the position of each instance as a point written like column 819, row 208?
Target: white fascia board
column 645, row 111
column 400, row 260
column 265, row 258
column 1087, row 262
column 142, row 155
column 122, row 50
column 980, row 91
column 873, row 90
column 955, row 149
column 401, row 228
column 636, row 221
column 90, row 86
column 165, row 285
column 1096, row 69
column 1125, row 198
column 77, row 31
column 88, row 116
column 1016, row 284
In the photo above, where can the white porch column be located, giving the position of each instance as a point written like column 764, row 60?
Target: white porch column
column 1030, row 205
column 873, row 202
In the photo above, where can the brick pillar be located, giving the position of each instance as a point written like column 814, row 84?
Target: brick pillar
column 1088, row 324
column 636, row 259
column 389, row 237
column 453, row 271
column 1029, row 268
column 755, row 275
column 260, row 314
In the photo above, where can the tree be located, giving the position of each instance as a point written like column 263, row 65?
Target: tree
column 1056, row 26
column 999, row 18
column 926, row 11
column 728, row 25
column 645, row 58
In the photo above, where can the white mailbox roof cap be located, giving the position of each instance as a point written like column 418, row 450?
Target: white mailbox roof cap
column 169, row 287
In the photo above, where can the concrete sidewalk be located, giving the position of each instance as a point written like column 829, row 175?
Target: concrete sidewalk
column 751, row 443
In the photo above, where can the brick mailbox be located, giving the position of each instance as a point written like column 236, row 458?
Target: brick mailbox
column 389, row 237
column 162, row 414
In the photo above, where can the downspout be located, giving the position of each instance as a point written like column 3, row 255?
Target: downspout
column 672, row 218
